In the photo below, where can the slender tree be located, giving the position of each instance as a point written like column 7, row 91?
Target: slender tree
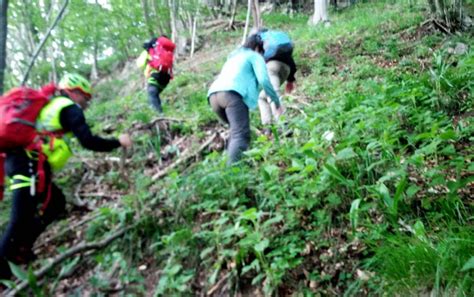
column 40, row 46
column 3, row 41
column 173, row 12
column 320, row 12
column 146, row 14
column 448, row 15
column 257, row 22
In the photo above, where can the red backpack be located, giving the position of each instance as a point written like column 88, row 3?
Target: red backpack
column 19, row 109
column 162, row 55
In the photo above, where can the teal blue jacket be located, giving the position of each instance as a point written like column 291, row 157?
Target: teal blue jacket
column 243, row 72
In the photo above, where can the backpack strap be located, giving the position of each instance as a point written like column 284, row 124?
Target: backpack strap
column 2, row 174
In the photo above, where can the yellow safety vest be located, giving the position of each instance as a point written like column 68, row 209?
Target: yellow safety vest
column 142, row 62
column 58, row 151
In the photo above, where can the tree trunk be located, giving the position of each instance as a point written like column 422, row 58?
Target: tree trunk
column 193, row 35
column 448, row 15
column 234, row 11
column 53, row 75
column 320, row 12
column 94, row 75
column 440, row 9
column 174, row 31
column 161, row 27
column 30, row 28
column 432, row 5
column 146, row 14
column 3, row 41
column 257, row 22
column 95, row 68
column 247, row 19
column 40, row 46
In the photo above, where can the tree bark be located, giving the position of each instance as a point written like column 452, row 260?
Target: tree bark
column 40, row 46
column 233, row 13
column 247, row 19
column 257, row 22
column 27, row 23
column 147, row 18
column 174, row 31
column 448, row 14
column 193, row 36
column 432, row 5
column 3, row 41
column 320, row 12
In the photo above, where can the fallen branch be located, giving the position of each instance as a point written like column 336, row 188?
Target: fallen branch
column 293, row 106
column 155, row 121
column 102, row 194
column 186, row 156
column 67, row 254
column 77, row 198
column 217, row 286
column 66, row 230
column 441, row 27
column 300, row 100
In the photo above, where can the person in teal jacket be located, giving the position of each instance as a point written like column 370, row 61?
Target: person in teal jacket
column 235, row 91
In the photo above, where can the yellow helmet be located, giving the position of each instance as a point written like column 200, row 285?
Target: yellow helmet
column 72, row 81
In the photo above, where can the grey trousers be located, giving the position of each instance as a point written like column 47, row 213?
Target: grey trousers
column 231, row 109
column 278, row 73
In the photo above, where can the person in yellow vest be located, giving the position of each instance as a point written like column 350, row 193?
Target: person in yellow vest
column 157, row 68
column 63, row 119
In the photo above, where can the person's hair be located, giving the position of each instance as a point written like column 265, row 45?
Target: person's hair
column 254, row 42
column 149, row 44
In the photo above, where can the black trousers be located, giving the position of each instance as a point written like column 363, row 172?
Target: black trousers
column 156, row 84
column 27, row 222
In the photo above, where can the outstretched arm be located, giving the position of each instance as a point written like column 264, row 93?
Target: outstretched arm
column 261, row 73
column 72, row 119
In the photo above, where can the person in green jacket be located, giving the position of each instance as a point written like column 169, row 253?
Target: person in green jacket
column 32, row 211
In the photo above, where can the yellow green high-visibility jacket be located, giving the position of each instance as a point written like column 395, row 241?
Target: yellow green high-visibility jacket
column 142, row 62
column 57, row 149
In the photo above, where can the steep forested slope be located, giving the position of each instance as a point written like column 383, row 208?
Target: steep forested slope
column 365, row 187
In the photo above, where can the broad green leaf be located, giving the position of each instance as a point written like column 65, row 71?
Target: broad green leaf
column 250, row 240
column 206, row 252
column 273, row 220
column 18, row 272
column 385, row 194
column 420, row 231
column 412, row 190
column 337, row 175
column 468, row 265
column 249, row 214
column 354, row 212
column 262, row 245
column 345, row 154
column 174, row 269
